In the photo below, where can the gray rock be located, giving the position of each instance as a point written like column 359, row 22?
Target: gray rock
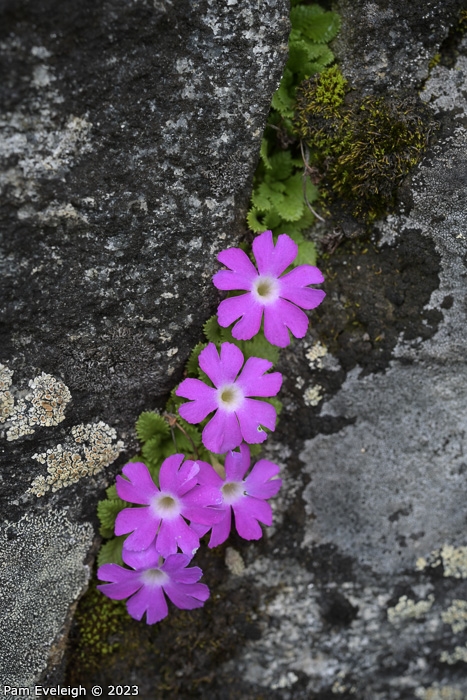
column 367, row 597
column 130, row 135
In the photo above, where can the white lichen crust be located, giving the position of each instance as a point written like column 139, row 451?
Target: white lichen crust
column 407, row 609
column 6, row 397
column 42, row 573
column 43, row 406
column 95, row 447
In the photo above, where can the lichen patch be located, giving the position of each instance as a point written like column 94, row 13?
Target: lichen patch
column 407, row 609
column 43, row 406
column 453, row 559
column 94, row 448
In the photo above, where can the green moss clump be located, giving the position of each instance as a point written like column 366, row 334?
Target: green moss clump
column 98, row 622
column 361, row 148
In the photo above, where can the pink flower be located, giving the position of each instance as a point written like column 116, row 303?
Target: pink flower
column 246, row 497
column 151, row 577
column 166, row 510
column 237, row 417
column 268, row 294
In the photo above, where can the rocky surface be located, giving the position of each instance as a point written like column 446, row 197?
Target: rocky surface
column 130, row 134
column 360, row 588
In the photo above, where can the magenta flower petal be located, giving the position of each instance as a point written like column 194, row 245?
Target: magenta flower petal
column 140, row 488
column 254, row 414
column 146, row 585
column 232, row 360
column 247, row 512
column 273, row 260
column 169, row 472
column 237, row 463
column 238, row 261
column 222, row 433
column 173, row 533
column 284, row 315
column 202, row 505
column 175, row 567
column 207, row 476
column 150, row 600
column 246, row 309
column 254, row 382
column 261, row 482
column 304, row 297
column 195, row 389
column 187, row 596
column 125, row 582
column 220, row 531
column 226, row 280
column 204, row 400
column 302, row 276
column 142, row 524
column 145, row 559
column 266, row 291
column 224, row 368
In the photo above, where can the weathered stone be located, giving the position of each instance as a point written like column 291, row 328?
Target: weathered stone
column 131, row 132
column 360, row 588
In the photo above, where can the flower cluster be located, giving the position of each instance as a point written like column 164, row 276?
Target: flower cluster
column 164, row 523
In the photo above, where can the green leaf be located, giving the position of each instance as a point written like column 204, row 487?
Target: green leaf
column 284, row 98
column 292, row 205
column 111, row 492
column 277, row 405
column 281, row 165
column 260, row 198
column 298, row 56
column 255, row 450
column 263, row 152
column 306, row 253
column 271, row 220
column 192, row 364
column 150, row 424
column 314, row 23
column 111, row 551
column 212, row 330
column 152, row 449
column 320, row 52
column 107, row 511
column 254, row 222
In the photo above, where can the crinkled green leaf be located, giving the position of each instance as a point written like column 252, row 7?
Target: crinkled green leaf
column 150, row 424
column 292, row 205
column 271, row 220
column 111, row 551
column 107, row 511
column 212, row 330
column 254, row 222
column 111, row 492
column 260, row 198
column 319, row 27
column 298, row 56
column 281, row 165
column 263, row 151
column 192, row 364
column 320, row 52
column 274, row 401
column 283, row 100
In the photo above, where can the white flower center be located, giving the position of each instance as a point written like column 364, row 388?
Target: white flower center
column 265, row 289
column 166, row 506
column 232, row 491
column 154, row 577
column 229, row 397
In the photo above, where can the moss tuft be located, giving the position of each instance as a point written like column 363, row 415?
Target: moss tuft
column 361, row 148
